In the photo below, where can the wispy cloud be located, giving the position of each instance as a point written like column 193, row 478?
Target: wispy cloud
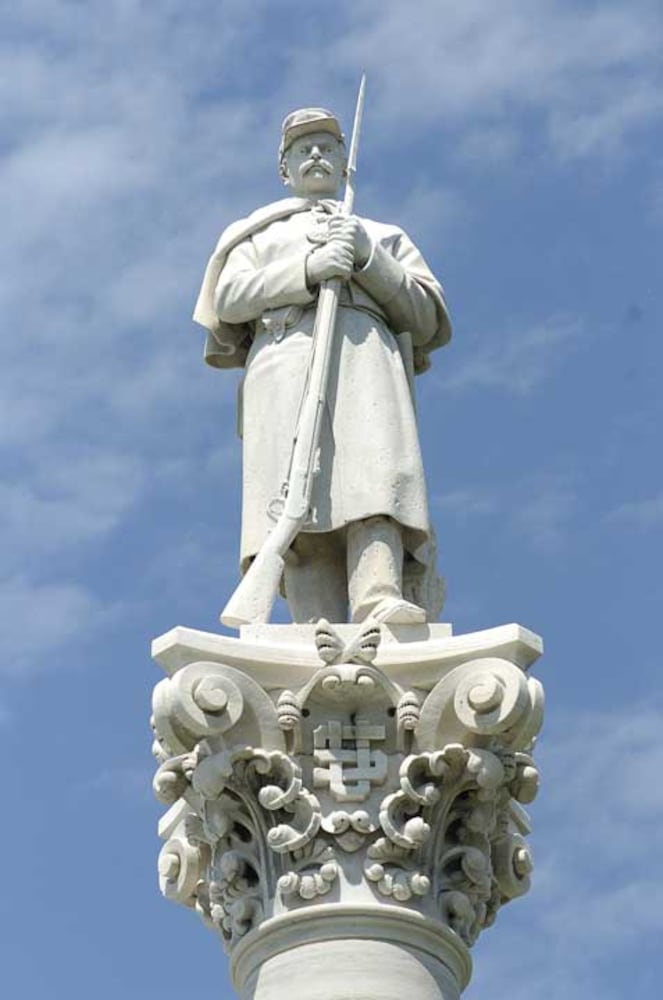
column 466, row 503
column 110, row 170
column 126, row 781
column 67, row 504
column 431, row 210
column 588, row 75
column 640, row 514
column 516, row 362
column 124, row 154
column 603, row 130
column 596, row 894
column 540, row 508
column 488, row 144
column 544, row 511
column 39, row 618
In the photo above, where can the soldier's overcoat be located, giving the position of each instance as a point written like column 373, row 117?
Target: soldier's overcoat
column 260, row 313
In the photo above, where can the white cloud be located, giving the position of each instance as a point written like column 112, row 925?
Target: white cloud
column 602, row 130
column 126, row 781
column 540, row 508
column 544, row 510
column 39, row 618
column 588, row 75
column 516, row 362
column 127, row 144
column 596, row 897
column 615, row 754
column 465, row 503
column 642, row 514
column 68, row 503
column 489, row 144
column 111, row 169
column 431, row 210
column 125, row 151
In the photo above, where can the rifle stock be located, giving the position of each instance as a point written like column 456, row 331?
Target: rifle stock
column 253, row 599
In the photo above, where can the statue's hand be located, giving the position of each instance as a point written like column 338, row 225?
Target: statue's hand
column 349, row 227
column 334, row 259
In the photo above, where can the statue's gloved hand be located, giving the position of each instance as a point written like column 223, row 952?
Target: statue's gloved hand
column 349, row 227
column 334, row 259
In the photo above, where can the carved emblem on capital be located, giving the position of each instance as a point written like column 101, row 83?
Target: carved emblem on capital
column 350, row 782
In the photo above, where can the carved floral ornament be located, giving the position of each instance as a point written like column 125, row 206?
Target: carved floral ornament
column 283, row 797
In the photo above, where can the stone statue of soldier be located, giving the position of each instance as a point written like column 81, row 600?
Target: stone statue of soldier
column 368, row 543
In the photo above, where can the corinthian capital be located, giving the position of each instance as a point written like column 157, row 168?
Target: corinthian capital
column 350, row 776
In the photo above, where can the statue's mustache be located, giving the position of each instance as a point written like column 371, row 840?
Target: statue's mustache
column 323, row 164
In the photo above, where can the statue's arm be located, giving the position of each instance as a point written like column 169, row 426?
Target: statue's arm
column 399, row 280
column 246, row 288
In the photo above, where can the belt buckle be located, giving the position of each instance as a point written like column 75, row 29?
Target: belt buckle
column 274, row 327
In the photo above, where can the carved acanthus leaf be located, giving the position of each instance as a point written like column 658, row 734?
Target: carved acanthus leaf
column 234, row 901
column 349, row 829
column 313, row 872
column 173, row 777
column 390, row 868
column 279, row 797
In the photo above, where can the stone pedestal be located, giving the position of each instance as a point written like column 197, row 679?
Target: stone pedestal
column 346, row 802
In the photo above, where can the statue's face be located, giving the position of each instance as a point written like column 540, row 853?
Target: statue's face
column 313, row 165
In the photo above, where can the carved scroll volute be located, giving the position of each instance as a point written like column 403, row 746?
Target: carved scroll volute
column 182, row 865
column 512, row 865
column 480, row 700
column 205, row 700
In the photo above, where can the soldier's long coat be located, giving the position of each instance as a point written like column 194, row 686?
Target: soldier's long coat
column 256, row 304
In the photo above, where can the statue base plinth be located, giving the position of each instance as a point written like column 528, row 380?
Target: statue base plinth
column 346, row 801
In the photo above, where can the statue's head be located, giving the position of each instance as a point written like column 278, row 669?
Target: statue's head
column 312, row 155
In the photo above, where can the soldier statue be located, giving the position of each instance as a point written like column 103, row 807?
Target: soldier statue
column 366, row 547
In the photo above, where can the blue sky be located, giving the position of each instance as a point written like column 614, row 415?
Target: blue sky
column 519, row 143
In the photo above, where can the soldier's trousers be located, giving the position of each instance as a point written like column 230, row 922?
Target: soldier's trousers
column 360, row 565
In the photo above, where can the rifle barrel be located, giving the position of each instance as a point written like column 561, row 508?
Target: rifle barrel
column 348, row 200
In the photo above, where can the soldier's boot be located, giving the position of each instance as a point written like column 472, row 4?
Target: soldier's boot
column 375, row 573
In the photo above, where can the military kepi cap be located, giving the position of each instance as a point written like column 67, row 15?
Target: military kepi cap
column 306, row 120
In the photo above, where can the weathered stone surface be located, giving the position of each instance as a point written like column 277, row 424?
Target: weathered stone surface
column 331, row 316
column 325, row 786
column 346, row 801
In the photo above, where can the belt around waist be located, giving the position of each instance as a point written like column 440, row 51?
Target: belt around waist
column 279, row 322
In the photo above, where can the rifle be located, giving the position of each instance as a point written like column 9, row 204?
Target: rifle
column 253, row 599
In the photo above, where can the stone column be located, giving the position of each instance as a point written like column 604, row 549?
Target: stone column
column 346, row 802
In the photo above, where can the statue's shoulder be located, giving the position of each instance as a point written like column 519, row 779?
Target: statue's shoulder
column 384, row 232
column 260, row 218
column 234, row 234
